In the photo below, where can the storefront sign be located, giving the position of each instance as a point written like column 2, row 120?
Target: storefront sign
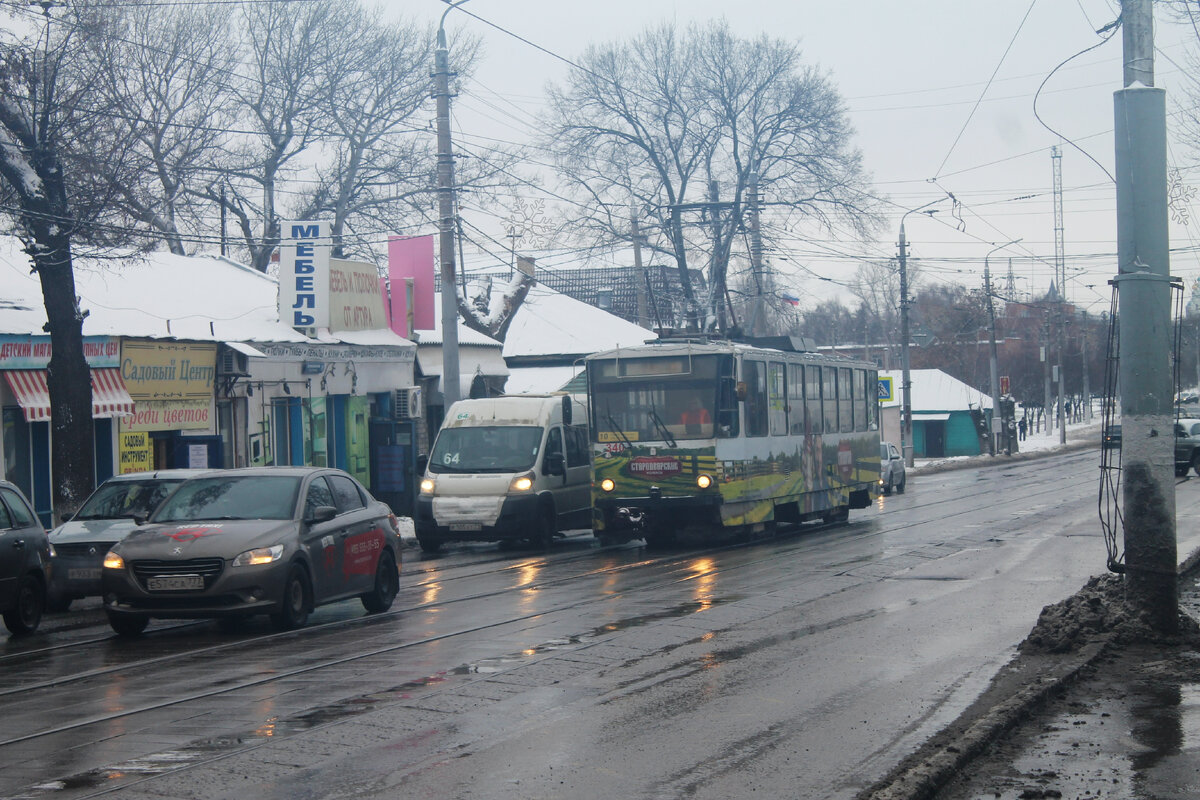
column 155, row 370
column 355, row 301
column 33, row 352
column 324, row 352
column 170, row 415
column 304, row 274
column 135, row 453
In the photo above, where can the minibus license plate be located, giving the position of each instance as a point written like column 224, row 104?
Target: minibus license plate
column 465, row 526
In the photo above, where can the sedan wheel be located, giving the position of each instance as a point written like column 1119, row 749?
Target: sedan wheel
column 293, row 608
column 1195, row 464
column 128, row 624
column 24, row 617
column 900, row 487
column 387, row 584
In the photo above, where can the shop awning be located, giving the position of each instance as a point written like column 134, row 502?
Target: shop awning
column 110, row 398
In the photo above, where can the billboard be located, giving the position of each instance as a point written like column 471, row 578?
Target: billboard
column 304, row 274
column 411, row 259
column 355, row 299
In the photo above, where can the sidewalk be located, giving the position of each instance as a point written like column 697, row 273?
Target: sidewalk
column 1115, row 717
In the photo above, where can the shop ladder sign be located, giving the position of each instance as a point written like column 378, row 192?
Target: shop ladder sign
column 886, row 395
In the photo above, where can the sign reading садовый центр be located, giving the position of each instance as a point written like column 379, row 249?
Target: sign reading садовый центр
column 304, row 274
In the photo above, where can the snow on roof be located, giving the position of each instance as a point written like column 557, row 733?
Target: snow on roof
column 465, row 335
column 934, row 390
column 550, row 323
column 535, row 380
column 160, row 295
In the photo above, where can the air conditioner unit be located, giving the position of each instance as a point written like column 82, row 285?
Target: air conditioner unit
column 232, row 363
column 409, row 403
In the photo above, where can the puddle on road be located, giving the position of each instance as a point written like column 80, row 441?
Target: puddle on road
column 115, row 776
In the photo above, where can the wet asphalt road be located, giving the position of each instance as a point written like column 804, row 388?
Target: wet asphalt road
column 803, row 666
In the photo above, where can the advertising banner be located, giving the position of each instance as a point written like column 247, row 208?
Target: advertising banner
column 18, row 351
column 304, row 274
column 355, row 300
column 171, row 384
column 134, row 451
column 411, row 258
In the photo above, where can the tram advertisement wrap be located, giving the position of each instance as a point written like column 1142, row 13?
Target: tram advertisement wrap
column 817, row 474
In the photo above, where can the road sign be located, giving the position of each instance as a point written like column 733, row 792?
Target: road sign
column 886, row 395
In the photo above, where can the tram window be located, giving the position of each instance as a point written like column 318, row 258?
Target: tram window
column 829, row 398
column 755, row 376
column 815, row 420
column 873, row 399
column 861, row 400
column 845, row 401
column 795, row 391
column 727, row 409
column 776, row 399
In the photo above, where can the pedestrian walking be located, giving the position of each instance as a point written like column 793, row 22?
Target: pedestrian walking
column 1021, row 426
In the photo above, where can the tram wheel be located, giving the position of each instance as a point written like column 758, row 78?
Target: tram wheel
column 839, row 514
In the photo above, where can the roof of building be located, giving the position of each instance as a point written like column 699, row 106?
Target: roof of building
column 935, row 391
column 163, row 296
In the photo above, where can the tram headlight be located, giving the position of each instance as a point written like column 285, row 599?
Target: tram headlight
column 704, row 481
column 607, row 485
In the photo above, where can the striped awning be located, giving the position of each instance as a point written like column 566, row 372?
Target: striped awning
column 110, row 398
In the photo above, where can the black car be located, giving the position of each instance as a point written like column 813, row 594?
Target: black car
column 1112, row 437
column 109, row 515
column 266, row 540
column 24, row 562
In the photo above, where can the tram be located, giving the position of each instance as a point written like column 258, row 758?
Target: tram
column 712, row 437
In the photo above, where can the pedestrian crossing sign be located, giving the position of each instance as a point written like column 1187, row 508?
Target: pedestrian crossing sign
column 885, row 390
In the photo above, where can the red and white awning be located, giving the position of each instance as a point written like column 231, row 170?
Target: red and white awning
column 110, row 398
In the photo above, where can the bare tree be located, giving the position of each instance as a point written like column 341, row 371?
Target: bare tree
column 169, row 71
column 680, row 124
column 54, row 127
column 877, row 287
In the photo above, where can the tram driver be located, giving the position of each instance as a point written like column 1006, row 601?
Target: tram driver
column 694, row 418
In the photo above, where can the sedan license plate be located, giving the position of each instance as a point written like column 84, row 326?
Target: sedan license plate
column 465, row 526
column 174, row 583
column 83, row 574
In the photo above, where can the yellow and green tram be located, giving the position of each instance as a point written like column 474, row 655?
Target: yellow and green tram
column 709, row 437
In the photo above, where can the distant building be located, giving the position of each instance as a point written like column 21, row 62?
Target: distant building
column 942, row 419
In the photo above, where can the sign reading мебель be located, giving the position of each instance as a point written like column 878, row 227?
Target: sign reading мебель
column 304, row 274
column 355, row 297
column 171, row 384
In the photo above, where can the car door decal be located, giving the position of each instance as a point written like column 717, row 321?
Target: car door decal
column 360, row 554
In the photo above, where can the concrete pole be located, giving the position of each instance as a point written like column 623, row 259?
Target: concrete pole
column 1046, row 415
column 1087, row 389
column 643, row 302
column 993, row 361
column 1144, row 296
column 756, row 266
column 906, row 448
column 451, row 391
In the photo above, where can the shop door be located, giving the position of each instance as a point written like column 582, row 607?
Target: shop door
column 393, row 465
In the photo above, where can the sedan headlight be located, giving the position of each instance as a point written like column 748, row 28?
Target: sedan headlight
column 521, row 483
column 53, row 552
column 427, row 486
column 260, row 555
column 113, row 561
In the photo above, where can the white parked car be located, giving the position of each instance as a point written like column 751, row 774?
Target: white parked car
column 891, row 469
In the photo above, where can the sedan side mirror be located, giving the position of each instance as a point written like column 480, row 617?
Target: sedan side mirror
column 322, row 514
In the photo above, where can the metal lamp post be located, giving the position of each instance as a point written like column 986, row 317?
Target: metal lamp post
column 994, row 439
column 906, row 447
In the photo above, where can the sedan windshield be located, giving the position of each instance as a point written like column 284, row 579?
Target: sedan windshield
column 487, row 448
column 117, row 499
column 232, row 497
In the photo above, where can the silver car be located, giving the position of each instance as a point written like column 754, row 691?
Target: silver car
column 891, row 469
column 264, row 540
column 109, row 515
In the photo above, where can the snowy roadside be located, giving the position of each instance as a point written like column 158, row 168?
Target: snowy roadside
column 1080, row 436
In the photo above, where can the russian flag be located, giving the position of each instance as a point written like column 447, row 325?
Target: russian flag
column 787, row 298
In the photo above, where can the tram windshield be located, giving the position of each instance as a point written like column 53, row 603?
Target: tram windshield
column 657, row 399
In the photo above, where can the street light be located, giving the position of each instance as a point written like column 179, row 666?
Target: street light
column 906, row 448
column 451, row 391
column 994, row 439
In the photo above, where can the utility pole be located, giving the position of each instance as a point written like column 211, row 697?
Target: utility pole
column 759, row 318
column 906, row 448
column 1083, row 346
column 643, row 305
column 1060, row 278
column 451, row 391
column 1045, row 353
column 1144, row 296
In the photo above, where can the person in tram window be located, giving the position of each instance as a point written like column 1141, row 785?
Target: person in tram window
column 694, row 417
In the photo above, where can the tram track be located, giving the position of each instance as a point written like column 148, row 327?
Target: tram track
column 679, row 566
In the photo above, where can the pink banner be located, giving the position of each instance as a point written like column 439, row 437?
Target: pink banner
column 411, row 258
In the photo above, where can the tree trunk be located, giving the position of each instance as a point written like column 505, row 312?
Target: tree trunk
column 72, row 456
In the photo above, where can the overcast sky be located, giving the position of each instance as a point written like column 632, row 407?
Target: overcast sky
column 930, row 118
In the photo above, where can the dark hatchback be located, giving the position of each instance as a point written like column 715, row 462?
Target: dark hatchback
column 109, row 515
column 25, row 553
column 1111, row 437
column 266, row 540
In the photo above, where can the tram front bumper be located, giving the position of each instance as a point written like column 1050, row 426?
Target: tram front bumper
column 653, row 510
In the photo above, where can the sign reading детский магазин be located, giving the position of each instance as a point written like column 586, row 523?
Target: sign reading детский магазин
column 304, row 274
